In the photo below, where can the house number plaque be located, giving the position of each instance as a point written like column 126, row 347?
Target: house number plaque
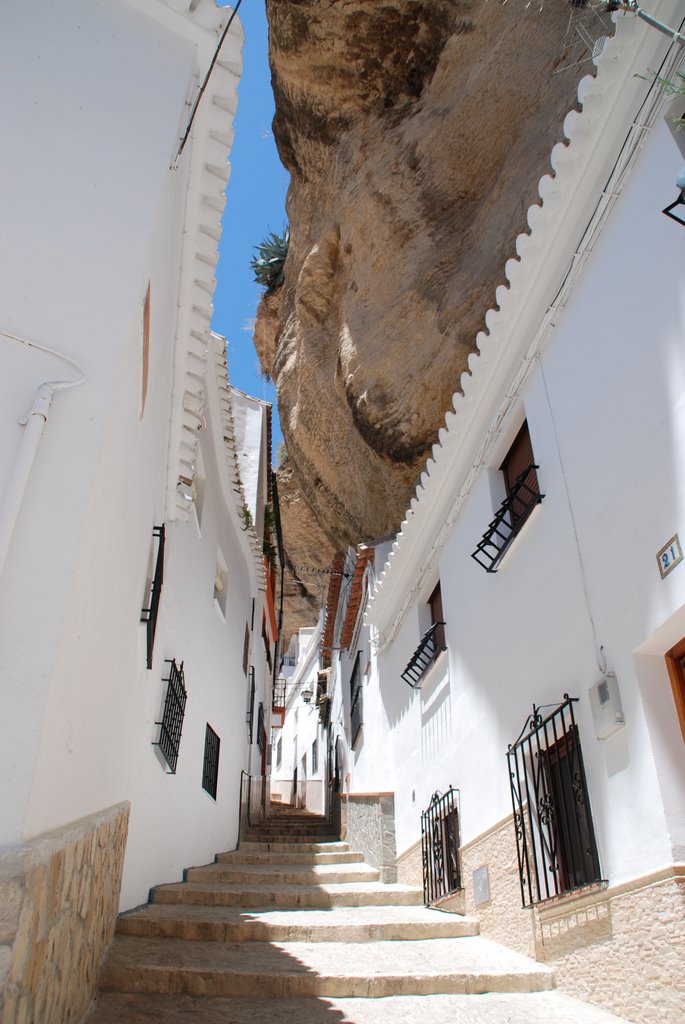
column 670, row 556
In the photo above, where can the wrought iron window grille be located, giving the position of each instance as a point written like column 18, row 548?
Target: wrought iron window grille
column 250, row 704
column 149, row 615
column 210, row 767
column 555, row 838
column 440, row 847
column 356, row 701
column 510, row 517
column 171, row 725
column 261, row 729
column 424, row 656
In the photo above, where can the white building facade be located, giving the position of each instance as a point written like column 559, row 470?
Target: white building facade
column 128, row 676
column 573, row 848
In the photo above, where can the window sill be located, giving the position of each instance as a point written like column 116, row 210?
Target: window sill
column 576, row 899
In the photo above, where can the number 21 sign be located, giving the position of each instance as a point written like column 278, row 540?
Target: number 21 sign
column 670, row 555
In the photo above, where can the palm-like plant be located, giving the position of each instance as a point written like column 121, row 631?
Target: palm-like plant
column 269, row 262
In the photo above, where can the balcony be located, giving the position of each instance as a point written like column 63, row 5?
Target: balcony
column 511, row 515
column 432, row 643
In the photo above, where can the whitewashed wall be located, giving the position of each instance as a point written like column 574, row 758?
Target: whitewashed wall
column 605, row 412
column 96, row 214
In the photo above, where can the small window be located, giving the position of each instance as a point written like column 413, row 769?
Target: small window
column 279, row 752
column 246, row 649
column 145, row 350
column 315, row 756
column 267, row 642
column 261, row 729
column 221, row 582
column 153, row 589
column 198, row 491
column 356, row 700
column 250, row 705
column 521, row 478
column 523, row 494
column 210, row 769
column 171, row 726
column 675, row 662
column 437, row 620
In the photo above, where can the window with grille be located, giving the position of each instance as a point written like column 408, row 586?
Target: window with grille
column 519, row 470
column 557, row 850
column 432, row 643
column 315, row 756
column 153, row 589
column 250, row 705
column 261, row 730
column 171, row 726
column 440, row 847
column 210, row 768
column 356, row 700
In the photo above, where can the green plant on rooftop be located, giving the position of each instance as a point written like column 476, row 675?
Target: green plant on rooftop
column 269, row 262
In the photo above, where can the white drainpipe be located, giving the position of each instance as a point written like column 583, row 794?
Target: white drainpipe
column 34, row 423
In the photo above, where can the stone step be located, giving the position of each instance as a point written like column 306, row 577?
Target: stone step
column 359, row 894
column 301, row 846
column 344, row 924
column 289, row 838
column 490, row 1008
column 243, row 856
column 292, row 969
column 276, row 874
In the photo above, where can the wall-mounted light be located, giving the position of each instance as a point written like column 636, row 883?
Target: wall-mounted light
column 307, row 695
column 679, row 216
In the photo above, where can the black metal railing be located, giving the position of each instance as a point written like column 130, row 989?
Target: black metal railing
column 278, row 695
column 511, row 516
column 250, row 704
column 210, row 768
column 356, row 701
column 440, row 847
column 555, row 837
column 149, row 615
column 171, row 725
column 432, row 643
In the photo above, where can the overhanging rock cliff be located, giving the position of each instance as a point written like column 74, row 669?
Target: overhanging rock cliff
column 415, row 132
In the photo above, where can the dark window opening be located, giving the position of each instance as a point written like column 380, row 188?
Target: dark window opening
column 171, row 725
column 267, row 644
column 556, row 846
column 246, row 649
column 210, row 768
column 250, row 704
column 315, row 756
column 261, row 730
column 356, row 700
column 148, row 614
column 437, row 620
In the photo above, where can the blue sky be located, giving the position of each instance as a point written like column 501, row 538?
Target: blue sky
column 255, row 205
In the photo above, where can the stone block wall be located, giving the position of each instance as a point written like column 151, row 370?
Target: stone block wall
column 59, row 897
column 368, row 824
column 622, row 948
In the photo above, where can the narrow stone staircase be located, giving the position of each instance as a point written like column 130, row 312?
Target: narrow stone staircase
column 295, row 927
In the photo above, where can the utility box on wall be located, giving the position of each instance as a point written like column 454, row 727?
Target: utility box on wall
column 607, row 711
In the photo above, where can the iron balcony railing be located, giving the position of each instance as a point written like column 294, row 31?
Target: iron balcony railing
column 440, row 847
column 555, row 837
column 149, row 615
column 171, row 725
column 511, row 515
column 278, row 695
column 432, row 643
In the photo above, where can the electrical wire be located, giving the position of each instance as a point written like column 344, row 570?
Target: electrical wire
column 199, row 96
column 55, row 385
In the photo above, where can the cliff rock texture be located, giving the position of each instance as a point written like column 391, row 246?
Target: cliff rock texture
column 415, row 133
